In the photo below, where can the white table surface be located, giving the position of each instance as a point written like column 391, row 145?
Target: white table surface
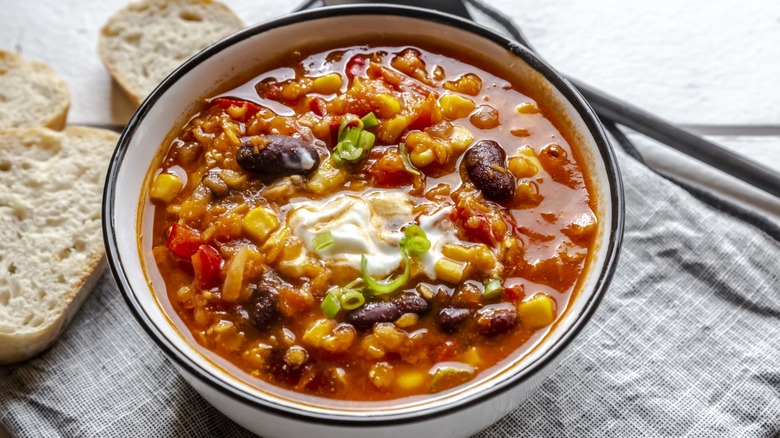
column 710, row 65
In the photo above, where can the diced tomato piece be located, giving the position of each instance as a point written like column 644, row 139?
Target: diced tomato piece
column 356, row 66
column 251, row 108
column 207, row 264
column 183, row 242
column 475, row 225
column 516, row 292
column 445, row 351
column 426, row 114
column 389, row 171
column 317, row 106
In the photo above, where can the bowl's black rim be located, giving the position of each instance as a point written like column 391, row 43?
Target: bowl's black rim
column 425, row 413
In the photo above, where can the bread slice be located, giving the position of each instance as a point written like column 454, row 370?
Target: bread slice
column 144, row 42
column 31, row 94
column 50, row 225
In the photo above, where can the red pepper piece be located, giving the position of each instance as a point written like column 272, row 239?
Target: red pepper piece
column 207, row 264
column 516, row 292
column 317, row 106
column 183, row 242
column 224, row 103
column 356, row 66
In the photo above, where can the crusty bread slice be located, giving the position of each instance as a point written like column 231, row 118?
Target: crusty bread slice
column 52, row 252
column 31, row 94
column 144, row 42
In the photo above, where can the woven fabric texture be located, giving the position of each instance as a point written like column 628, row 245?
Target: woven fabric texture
column 685, row 343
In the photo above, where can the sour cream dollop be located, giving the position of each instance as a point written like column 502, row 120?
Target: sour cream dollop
column 370, row 224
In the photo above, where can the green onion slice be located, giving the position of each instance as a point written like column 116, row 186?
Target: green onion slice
column 386, row 286
column 322, row 241
column 405, row 159
column 351, row 299
column 493, row 289
column 369, row 120
column 349, row 121
column 347, row 151
column 417, row 246
column 330, row 305
column 353, row 139
column 415, row 241
column 448, row 376
column 366, row 141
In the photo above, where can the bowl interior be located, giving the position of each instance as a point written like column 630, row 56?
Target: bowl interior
column 170, row 105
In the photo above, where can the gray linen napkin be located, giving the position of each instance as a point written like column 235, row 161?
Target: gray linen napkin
column 685, row 343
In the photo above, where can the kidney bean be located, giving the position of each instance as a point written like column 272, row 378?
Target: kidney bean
column 263, row 311
column 485, row 164
column 495, row 319
column 377, row 311
column 282, row 156
column 409, row 302
column 450, row 318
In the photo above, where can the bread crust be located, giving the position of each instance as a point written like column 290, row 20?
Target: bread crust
column 112, row 49
column 49, row 111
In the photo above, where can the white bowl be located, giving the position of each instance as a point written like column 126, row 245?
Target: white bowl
column 274, row 412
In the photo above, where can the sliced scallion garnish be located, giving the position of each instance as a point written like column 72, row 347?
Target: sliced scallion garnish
column 330, row 305
column 415, row 241
column 493, row 289
column 369, row 120
column 387, row 286
column 351, row 299
column 322, row 241
column 405, row 159
column 353, row 139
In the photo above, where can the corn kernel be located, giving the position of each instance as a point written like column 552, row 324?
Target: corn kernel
column 527, row 108
column 456, row 252
column 410, row 380
column 237, row 112
column 327, row 84
column 391, row 129
column 389, row 336
column 165, row 187
column 274, row 245
column 536, row 312
column 370, row 347
column 296, row 356
column 469, row 84
column 482, row 257
column 422, row 158
column 456, row 107
column 381, row 374
column 460, row 139
column 522, row 166
column 259, row 223
column 255, row 356
column 471, row 357
column 388, row 106
column 326, row 178
column 406, row 320
column 296, row 89
column 450, row 270
column 316, row 332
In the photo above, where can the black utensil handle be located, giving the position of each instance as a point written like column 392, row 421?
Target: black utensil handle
column 717, row 156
